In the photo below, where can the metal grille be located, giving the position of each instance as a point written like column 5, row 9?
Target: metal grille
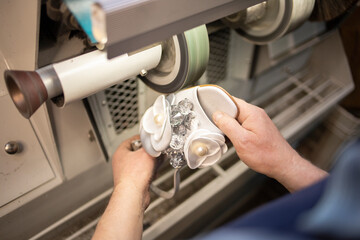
column 298, row 95
column 122, row 101
column 219, row 43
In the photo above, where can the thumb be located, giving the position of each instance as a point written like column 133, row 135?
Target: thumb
column 230, row 127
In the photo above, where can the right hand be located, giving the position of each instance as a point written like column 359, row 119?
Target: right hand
column 257, row 141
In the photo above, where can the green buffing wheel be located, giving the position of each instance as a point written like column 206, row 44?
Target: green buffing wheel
column 198, row 51
column 184, row 59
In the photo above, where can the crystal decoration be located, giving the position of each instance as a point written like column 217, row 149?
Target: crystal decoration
column 177, row 160
column 182, row 119
column 181, row 129
column 176, row 118
column 188, row 120
column 185, row 106
column 169, row 151
column 177, row 141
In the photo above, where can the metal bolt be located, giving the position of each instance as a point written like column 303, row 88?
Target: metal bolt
column 143, row 73
column 103, row 102
column 12, row 147
column 91, row 136
column 135, row 145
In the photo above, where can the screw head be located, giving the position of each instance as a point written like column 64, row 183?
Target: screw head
column 143, row 73
column 91, row 136
column 11, row 147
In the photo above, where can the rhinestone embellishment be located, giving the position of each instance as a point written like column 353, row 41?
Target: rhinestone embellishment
column 182, row 120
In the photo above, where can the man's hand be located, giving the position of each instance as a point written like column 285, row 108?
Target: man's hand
column 133, row 168
column 260, row 145
column 123, row 217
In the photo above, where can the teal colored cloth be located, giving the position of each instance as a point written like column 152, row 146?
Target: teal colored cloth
column 81, row 9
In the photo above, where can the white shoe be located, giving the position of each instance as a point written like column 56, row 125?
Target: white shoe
column 180, row 125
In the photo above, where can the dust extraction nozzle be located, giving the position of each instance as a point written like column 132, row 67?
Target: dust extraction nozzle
column 27, row 90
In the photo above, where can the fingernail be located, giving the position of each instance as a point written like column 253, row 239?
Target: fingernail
column 217, row 116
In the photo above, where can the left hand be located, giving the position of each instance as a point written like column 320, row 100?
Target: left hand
column 123, row 217
column 133, row 168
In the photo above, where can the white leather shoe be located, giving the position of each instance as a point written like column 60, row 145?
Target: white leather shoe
column 180, row 125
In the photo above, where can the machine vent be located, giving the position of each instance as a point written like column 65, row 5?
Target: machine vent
column 219, row 44
column 301, row 94
column 122, row 101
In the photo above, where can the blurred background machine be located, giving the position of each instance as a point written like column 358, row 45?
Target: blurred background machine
column 102, row 63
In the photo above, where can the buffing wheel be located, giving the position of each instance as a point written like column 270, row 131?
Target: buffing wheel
column 184, row 60
column 279, row 18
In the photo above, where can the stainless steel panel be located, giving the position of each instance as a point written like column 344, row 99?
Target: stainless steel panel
column 78, row 151
column 28, row 168
column 134, row 24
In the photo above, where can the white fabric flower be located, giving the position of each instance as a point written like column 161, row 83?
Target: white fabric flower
column 204, row 148
column 155, row 129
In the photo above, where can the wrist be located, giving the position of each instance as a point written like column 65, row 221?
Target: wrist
column 134, row 190
column 299, row 173
column 138, row 182
column 290, row 167
column 284, row 165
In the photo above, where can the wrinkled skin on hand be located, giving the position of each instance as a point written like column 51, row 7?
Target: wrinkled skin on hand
column 260, row 145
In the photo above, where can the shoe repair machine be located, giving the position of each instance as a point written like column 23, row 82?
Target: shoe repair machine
column 78, row 75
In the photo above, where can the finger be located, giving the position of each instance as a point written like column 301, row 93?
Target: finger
column 230, row 127
column 245, row 109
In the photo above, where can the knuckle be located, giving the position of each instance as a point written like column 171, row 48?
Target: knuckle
column 262, row 115
column 261, row 111
column 243, row 140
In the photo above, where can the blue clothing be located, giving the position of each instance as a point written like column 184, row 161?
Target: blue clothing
column 337, row 213
column 327, row 209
